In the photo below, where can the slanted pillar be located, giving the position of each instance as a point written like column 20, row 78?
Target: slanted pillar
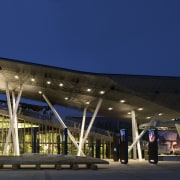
column 13, row 129
column 61, row 122
column 142, row 133
column 134, row 133
column 92, row 121
column 178, row 128
column 82, row 132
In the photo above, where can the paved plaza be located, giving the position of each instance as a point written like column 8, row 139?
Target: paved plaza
column 135, row 170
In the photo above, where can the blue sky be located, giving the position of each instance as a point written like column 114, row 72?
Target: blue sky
column 106, row 36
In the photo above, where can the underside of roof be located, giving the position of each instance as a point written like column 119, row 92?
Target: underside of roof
column 146, row 95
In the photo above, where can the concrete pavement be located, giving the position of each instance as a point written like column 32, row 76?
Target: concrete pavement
column 134, row 170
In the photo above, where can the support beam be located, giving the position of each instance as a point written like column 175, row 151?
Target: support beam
column 134, row 133
column 61, row 122
column 142, row 133
column 92, row 121
column 178, row 128
column 82, row 132
column 13, row 129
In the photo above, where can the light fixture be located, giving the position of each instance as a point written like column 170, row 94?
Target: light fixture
column 48, row 82
column 87, row 102
column 160, row 114
column 32, row 79
column 89, row 90
column 129, row 113
column 61, row 84
column 148, row 117
column 40, row 92
column 110, row 108
column 66, row 98
column 101, row 92
column 140, row 109
column 16, row 77
column 122, row 101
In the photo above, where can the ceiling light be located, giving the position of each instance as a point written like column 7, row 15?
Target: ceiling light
column 148, row 117
column 66, row 98
column 101, row 92
column 16, row 77
column 140, row 109
column 160, row 114
column 48, row 82
column 122, row 101
column 129, row 113
column 40, row 92
column 32, row 79
column 61, row 84
column 87, row 102
column 89, row 90
column 110, row 108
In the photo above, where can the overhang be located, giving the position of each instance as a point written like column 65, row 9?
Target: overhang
column 147, row 95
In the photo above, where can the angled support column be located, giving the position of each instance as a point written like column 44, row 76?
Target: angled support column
column 92, row 121
column 178, row 128
column 61, row 122
column 13, row 129
column 135, row 134
column 142, row 133
column 82, row 132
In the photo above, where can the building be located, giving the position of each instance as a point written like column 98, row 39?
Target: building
column 148, row 101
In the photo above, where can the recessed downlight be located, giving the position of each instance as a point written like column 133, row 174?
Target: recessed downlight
column 16, row 77
column 101, row 92
column 40, row 92
column 122, row 101
column 32, row 79
column 89, row 90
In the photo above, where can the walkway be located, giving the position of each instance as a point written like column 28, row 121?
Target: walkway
column 134, row 170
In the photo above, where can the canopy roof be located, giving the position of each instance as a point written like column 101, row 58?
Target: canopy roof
column 147, row 95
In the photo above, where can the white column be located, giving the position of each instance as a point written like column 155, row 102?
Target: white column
column 134, row 133
column 138, row 143
column 92, row 121
column 178, row 128
column 142, row 133
column 61, row 122
column 82, row 132
column 10, row 119
column 13, row 129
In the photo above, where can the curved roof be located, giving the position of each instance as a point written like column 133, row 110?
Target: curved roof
column 153, row 94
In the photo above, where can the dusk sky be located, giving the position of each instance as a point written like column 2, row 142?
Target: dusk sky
column 105, row 36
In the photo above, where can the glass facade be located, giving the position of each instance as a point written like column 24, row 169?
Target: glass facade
column 45, row 137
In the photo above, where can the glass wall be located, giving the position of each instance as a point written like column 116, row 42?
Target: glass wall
column 46, row 138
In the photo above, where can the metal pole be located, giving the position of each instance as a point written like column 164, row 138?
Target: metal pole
column 61, row 122
column 82, row 131
column 92, row 121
